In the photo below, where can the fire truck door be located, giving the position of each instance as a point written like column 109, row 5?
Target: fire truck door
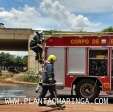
column 98, row 62
column 77, row 61
column 59, row 64
column 112, row 70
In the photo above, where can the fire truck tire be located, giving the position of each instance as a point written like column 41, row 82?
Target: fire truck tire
column 87, row 88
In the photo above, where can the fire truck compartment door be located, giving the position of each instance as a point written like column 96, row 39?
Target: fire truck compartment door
column 76, row 61
column 59, row 64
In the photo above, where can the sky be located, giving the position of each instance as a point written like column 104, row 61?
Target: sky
column 71, row 15
column 16, row 53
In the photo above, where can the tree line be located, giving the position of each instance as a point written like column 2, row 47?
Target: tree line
column 12, row 62
column 50, row 32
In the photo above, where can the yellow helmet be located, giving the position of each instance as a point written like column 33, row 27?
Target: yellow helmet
column 51, row 58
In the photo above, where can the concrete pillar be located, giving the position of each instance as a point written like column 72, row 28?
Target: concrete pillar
column 33, row 64
column 31, row 57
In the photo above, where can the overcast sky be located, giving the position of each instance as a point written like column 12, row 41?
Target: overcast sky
column 75, row 15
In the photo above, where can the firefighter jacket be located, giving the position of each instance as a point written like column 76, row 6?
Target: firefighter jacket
column 48, row 74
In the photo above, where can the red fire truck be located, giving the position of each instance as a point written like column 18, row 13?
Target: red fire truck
column 84, row 62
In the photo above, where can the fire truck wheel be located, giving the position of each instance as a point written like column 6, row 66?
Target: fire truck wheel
column 87, row 88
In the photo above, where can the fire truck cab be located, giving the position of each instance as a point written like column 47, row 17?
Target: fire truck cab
column 84, row 62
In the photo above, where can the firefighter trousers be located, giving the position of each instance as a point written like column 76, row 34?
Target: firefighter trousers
column 45, row 89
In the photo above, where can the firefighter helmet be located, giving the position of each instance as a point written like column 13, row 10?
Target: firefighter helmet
column 51, row 58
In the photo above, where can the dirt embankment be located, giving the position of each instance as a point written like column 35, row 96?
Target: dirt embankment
column 13, row 79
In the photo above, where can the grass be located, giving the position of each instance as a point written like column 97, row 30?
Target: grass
column 29, row 76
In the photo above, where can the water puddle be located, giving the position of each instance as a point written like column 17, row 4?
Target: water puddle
column 17, row 90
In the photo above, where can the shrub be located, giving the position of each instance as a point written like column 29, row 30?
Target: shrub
column 30, row 76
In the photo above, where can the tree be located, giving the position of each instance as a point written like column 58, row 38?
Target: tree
column 109, row 29
column 12, row 60
column 25, row 60
column 8, row 61
column 3, row 61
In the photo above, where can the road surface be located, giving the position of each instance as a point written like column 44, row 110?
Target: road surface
column 69, row 108
column 36, row 108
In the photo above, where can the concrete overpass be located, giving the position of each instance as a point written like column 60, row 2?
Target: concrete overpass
column 16, row 39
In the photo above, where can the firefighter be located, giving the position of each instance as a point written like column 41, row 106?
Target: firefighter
column 48, row 80
column 36, row 45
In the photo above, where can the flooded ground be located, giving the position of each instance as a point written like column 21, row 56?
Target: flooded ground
column 17, row 90
column 28, row 90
